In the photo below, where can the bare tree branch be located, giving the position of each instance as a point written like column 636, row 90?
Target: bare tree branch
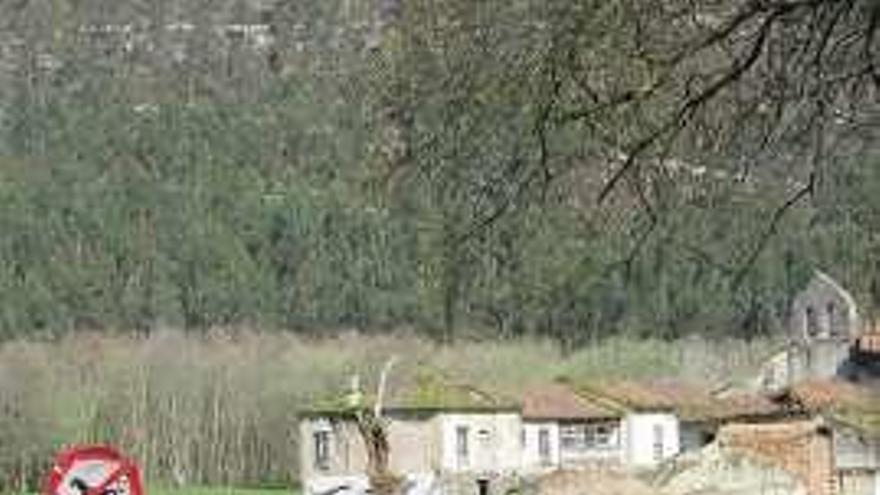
column 771, row 230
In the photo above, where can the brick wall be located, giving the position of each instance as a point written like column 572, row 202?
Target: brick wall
column 803, row 448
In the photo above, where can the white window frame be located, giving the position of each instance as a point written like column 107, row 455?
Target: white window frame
column 462, row 445
column 581, row 437
column 659, row 444
column 545, row 447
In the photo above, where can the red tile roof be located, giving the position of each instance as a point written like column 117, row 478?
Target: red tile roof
column 691, row 402
column 853, row 404
column 560, row 402
column 818, row 395
column 746, row 405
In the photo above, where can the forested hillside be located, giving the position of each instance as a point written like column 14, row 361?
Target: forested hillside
column 565, row 169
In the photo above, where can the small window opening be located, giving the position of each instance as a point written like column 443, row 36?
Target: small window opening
column 322, row 450
column 707, row 437
column 833, row 329
column 484, row 435
column 812, row 322
column 544, row 445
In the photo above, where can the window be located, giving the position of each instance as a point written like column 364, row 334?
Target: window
column 658, row 443
column 484, row 435
column 831, row 311
column 461, row 445
column 586, row 436
column 523, row 438
column 812, row 322
column 544, row 445
column 322, row 450
column 571, row 437
column 707, row 437
column 601, row 436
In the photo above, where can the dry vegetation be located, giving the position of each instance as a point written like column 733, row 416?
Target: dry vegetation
column 221, row 409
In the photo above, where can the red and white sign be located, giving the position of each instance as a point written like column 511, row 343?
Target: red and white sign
column 93, row 470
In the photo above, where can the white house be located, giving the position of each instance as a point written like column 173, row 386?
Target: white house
column 438, row 432
column 627, row 424
column 456, row 434
column 649, row 427
column 563, row 430
column 662, row 418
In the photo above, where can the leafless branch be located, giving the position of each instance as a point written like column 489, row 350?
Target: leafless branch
column 870, row 35
column 677, row 122
column 771, row 230
column 383, row 382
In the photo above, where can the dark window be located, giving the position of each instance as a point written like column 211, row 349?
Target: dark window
column 461, row 445
column 601, row 436
column 544, row 445
column 322, row 450
column 812, row 322
column 707, row 437
column 484, row 435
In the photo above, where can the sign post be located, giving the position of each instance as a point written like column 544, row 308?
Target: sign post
column 93, row 470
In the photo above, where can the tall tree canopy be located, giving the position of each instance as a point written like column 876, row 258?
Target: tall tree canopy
column 573, row 169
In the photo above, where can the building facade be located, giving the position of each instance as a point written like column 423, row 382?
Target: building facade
column 823, row 324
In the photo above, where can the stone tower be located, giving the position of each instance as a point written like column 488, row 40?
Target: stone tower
column 823, row 321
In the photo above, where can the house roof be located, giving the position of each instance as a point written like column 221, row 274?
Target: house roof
column 744, row 404
column 559, row 402
column 427, row 391
column 433, row 390
column 689, row 401
column 850, row 403
column 817, row 395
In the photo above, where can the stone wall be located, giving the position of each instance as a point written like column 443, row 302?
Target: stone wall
column 801, row 447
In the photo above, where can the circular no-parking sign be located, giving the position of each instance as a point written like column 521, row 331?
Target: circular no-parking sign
column 93, row 470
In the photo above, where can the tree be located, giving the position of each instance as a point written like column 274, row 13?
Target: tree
column 373, row 428
column 763, row 91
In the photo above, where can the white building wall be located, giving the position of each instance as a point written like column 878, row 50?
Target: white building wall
column 493, row 442
column 531, row 455
column 497, row 443
column 642, row 442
